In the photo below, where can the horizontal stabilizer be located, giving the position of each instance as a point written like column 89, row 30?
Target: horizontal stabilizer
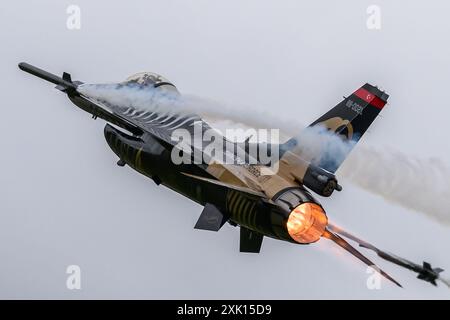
column 345, row 245
column 425, row 271
column 250, row 241
column 211, row 218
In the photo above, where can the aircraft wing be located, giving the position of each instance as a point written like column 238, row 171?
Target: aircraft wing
column 135, row 106
column 162, row 124
column 158, row 123
column 329, row 234
column 425, row 271
column 385, row 255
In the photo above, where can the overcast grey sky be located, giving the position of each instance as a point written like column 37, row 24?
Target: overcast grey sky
column 64, row 200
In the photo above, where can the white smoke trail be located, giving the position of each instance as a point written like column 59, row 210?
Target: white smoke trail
column 169, row 101
column 445, row 281
column 421, row 184
column 137, row 97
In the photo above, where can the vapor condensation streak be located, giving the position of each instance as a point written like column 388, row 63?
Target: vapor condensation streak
column 421, row 184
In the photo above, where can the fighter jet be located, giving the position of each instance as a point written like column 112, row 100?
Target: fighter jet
column 259, row 200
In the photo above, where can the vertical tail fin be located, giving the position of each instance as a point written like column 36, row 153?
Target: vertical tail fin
column 353, row 116
column 348, row 120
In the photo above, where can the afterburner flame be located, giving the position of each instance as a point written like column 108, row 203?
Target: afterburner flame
column 307, row 222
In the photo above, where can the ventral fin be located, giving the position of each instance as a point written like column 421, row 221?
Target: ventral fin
column 211, row 218
column 250, row 241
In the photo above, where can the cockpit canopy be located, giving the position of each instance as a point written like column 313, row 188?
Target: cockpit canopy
column 151, row 79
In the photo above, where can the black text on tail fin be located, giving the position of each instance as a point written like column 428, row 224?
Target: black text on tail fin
column 353, row 116
column 349, row 120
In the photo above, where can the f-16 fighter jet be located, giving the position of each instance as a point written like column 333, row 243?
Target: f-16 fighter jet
column 264, row 199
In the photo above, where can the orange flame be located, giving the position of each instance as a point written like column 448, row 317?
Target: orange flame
column 307, row 222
